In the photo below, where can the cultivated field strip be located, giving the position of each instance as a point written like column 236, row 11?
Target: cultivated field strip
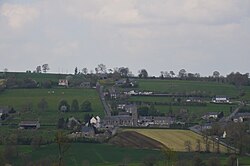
column 175, row 139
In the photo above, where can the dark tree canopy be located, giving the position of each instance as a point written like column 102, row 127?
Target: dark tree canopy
column 74, row 106
column 182, row 73
column 45, row 68
column 143, row 73
column 42, row 105
column 86, row 106
column 63, row 106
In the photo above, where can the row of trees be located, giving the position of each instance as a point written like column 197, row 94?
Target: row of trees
column 74, row 107
column 44, row 68
column 237, row 78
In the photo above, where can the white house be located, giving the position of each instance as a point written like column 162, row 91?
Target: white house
column 220, row 99
column 95, row 121
column 224, row 134
column 63, row 82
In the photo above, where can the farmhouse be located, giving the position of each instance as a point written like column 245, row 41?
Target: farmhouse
column 130, row 108
column 29, row 125
column 4, row 112
column 72, row 122
column 213, row 115
column 95, row 121
column 220, row 99
column 118, row 120
column 113, row 93
column 163, row 120
column 194, row 99
column 126, row 82
column 122, row 120
column 63, row 82
column 242, row 117
column 156, row 121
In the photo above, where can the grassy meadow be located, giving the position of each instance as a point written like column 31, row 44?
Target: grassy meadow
column 20, row 98
column 38, row 77
column 197, row 110
column 107, row 155
column 174, row 139
column 94, row 154
column 182, row 86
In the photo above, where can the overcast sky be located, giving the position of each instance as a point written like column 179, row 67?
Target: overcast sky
column 200, row 36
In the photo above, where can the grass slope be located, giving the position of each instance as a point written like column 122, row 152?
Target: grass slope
column 182, row 86
column 174, row 139
column 18, row 98
column 95, row 154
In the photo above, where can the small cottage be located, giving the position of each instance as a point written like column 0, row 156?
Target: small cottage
column 29, row 125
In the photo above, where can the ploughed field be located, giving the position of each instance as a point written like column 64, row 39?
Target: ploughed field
column 175, row 139
column 135, row 139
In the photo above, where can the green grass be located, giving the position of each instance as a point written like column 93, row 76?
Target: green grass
column 95, row 154
column 39, row 77
column 197, row 110
column 18, row 98
column 182, row 86
column 150, row 99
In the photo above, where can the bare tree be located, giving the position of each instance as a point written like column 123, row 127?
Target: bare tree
column 5, row 70
column 102, row 68
column 182, row 73
column 85, row 71
column 216, row 74
column 188, row 145
column 172, row 73
column 45, row 68
column 63, row 146
column 143, row 73
column 38, row 69
column 198, row 145
column 42, row 105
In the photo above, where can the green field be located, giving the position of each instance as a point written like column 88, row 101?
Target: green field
column 95, row 154
column 38, row 77
column 107, row 155
column 197, row 110
column 174, row 139
column 19, row 98
column 182, row 86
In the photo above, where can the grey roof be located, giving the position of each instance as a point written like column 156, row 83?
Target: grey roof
column 87, row 129
column 212, row 113
column 243, row 115
column 28, row 123
column 4, row 110
column 118, row 117
column 162, row 118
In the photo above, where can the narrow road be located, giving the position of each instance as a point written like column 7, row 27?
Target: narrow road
column 229, row 118
column 107, row 110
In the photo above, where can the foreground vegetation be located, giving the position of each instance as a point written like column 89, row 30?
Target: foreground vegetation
column 83, row 154
column 103, row 154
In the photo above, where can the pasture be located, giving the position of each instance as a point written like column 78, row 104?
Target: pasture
column 182, row 86
column 38, row 77
column 175, row 139
column 107, row 155
column 23, row 98
column 94, row 154
column 198, row 110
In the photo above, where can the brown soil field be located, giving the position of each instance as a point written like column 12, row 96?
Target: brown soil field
column 136, row 140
